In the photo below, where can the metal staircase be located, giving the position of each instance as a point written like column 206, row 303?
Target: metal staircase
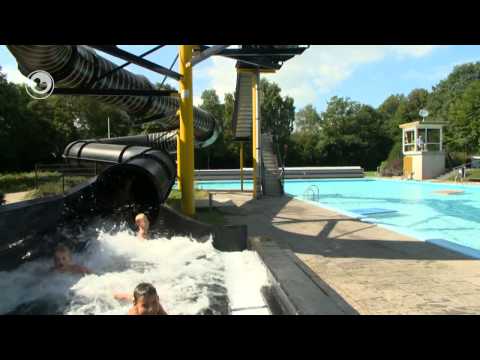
column 271, row 180
column 453, row 171
column 242, row 113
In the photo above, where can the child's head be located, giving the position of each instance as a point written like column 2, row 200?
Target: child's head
column 145, row 299
column 142, row 221
column 62, row 256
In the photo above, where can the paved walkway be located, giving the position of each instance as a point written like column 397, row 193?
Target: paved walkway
column 375, row 270
column 15, row 197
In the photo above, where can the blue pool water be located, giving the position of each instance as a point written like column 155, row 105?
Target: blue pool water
column 224, row 185
column 409, row 207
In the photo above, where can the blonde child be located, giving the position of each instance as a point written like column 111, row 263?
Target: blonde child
column 141, row 220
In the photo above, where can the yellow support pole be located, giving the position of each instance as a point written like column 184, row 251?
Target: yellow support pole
column 178, row 160
column 256, row 136
column 185, row 155
column 241, row 166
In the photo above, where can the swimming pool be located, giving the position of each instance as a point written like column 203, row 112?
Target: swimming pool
column 409, row 207
column 223, row 185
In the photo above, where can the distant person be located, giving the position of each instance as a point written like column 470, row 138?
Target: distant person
column 145, row 301
column 143, row 224
column 62, row 260
column 420, row 144
column 460, row 174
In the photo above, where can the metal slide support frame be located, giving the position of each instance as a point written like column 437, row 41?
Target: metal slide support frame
column 241, row 165
column 256, row 128
column 256, row 136
column 185, row 155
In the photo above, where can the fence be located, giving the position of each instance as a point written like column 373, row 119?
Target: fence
column 57, row 178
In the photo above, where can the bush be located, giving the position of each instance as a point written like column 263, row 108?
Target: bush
column 393, row 166
column 454, row 159
column 2, row 198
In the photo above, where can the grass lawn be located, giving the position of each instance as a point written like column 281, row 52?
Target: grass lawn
column 472, row 175
column 24, row 181
column 55, row 187
column 370, row 173
column 213, row 217
column 50, row 183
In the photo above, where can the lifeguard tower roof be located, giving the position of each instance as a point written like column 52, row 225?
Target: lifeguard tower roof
column 418, row 123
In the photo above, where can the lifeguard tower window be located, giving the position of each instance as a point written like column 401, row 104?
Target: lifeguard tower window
column 422, row 140
column 409, row 143
column 431, row 139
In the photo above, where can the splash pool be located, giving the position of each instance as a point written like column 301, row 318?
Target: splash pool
column 412, row 208
column 190, row 277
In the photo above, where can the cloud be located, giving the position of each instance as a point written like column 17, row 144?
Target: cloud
column 436, row 73
column 220, row 75
column 14, row 75
column 319, row 71
column 413, row 50
column 197, row 100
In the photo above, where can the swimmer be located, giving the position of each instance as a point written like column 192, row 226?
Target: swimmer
column 145, row 301
column 141, row 220
column 62, row 259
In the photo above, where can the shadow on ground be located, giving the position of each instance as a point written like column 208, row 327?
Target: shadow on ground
column 338, row 236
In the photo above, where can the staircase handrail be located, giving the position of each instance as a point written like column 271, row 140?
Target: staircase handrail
column 280, row 161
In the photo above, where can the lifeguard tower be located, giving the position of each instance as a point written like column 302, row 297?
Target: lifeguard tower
column 422, row 147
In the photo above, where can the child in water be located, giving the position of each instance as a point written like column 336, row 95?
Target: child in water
column 62, row 260
column 145, row 301
column 143, row 224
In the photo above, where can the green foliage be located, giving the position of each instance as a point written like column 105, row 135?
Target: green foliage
column 55, row 186
column 353, row 134
column 16, row 182
column 393, row 165
column 346, row 133
column 33, row 131
column 224, row 153
column 398, row 109
column 277, row 112
column 307, row 120
column 446, row 100
column 464, row 120
column 451, row 89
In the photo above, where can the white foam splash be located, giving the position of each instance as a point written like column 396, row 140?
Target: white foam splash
column 185, row 273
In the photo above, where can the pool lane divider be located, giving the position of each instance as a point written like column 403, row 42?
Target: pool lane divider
column 295, row 288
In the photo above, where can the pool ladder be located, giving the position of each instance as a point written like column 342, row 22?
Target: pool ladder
column 312, row 193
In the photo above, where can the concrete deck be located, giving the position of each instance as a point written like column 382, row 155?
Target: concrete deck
column 375, row 270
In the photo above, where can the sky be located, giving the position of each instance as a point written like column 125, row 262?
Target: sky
column 364, row 73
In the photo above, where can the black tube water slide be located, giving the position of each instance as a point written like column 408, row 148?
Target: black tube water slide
column 144, row 166
column 138, row 170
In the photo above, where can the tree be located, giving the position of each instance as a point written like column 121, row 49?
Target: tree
column 390, row 111
column 464, row 119
column 451, row 89
column 91, row 117
column 398, row 109
column 211, row 103
column 353, row 134
column 24, row 139
column 277, row 113
column 445, row 103
column 307, row 120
